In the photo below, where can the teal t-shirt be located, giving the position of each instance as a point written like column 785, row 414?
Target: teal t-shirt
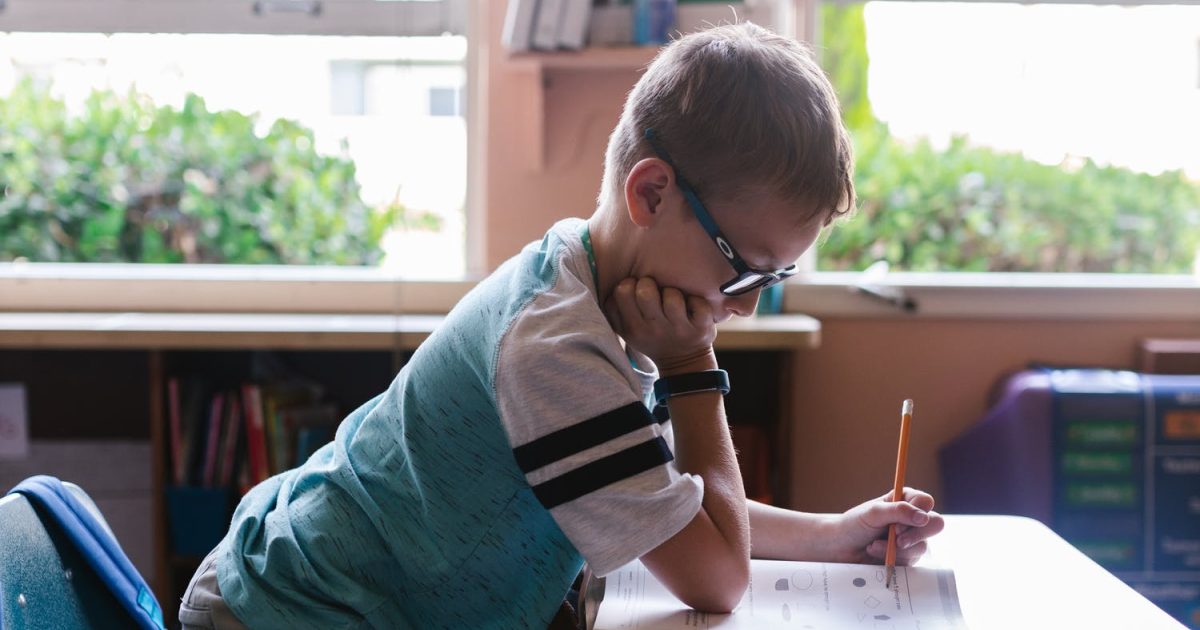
column 514, row 445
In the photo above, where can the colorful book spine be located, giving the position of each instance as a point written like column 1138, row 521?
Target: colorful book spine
column 178, row 463
column 233, row 428
column 256, row 447
column 213, row 444
column 519, row 19
column 271, row 408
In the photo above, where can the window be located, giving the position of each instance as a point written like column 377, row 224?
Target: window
column 1010, row 137
column 318, row 136
column 445, row 101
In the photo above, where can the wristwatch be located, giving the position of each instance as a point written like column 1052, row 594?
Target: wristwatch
column 690, row 383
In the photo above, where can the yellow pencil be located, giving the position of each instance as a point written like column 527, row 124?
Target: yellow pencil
column 906, row 411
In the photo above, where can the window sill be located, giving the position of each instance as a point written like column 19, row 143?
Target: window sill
column 99, row 287
column 49, row 287
column 1000, row 296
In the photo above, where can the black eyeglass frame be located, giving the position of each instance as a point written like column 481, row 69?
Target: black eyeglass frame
column 748, row 278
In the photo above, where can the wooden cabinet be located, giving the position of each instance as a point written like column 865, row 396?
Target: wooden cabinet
column 103, row 376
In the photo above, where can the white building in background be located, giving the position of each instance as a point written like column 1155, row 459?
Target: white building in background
column 396, row 103
column 1057, row 82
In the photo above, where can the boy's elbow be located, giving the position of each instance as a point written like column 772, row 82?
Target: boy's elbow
column 721, row 592
column 716, row 603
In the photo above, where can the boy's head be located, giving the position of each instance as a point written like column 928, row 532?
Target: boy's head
column 747, row 119
column 741, row 111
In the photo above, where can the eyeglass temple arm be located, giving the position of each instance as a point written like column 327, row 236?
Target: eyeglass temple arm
column 689, row 193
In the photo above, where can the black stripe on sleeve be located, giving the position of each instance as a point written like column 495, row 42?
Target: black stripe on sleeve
column 602, row 472
column 580, row 437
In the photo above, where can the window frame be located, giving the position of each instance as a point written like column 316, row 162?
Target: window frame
column 254, row 17
column 348, row 18
column 36, row 286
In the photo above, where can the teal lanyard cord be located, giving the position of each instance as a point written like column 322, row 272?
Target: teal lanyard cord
column 586, row 235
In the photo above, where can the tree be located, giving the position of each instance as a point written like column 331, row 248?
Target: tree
column 129, row 181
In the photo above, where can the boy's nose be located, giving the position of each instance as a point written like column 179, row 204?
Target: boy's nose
column 743, row 305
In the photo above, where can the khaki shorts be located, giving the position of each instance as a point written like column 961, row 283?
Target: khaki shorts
column 202, row 607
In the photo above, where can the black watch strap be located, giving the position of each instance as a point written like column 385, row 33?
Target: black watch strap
column 690, row 383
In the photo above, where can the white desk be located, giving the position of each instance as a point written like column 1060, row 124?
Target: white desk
column 1014, row 572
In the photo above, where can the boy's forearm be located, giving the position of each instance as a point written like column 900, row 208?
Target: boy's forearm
column 703, row 447
column 782, row 534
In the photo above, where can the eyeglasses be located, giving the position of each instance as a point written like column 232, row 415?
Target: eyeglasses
column 748, row 278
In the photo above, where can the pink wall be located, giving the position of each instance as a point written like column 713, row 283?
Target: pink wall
column 848, row 391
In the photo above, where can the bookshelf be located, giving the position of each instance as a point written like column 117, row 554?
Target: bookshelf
column 116, row 366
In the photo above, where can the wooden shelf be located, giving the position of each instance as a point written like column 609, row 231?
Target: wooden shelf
column 769, row 332
column 599, row 58
column 213, row 331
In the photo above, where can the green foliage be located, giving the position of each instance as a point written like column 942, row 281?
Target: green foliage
column 843, row 54
column 967, row 208
column 126, row 180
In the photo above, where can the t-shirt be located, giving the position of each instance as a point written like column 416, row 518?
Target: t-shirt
column 515, row 444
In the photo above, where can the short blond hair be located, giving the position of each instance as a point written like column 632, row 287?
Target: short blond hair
column 741, row 111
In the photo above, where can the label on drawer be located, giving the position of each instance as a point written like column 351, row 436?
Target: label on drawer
column 1096, row 463
column 1102, row 434
column 1181, row 425
column 1102, row 494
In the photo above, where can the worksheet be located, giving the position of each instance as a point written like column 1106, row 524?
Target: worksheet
column 794, row 595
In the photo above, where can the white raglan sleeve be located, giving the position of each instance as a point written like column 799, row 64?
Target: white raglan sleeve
column 591, row 451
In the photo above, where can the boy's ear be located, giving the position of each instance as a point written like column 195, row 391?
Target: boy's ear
column 647, row 188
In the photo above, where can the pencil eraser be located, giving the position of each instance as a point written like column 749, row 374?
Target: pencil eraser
column 907, row 408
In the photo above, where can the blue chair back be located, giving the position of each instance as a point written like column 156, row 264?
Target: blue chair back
column 60, row 566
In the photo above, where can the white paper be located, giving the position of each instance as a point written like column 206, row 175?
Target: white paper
column 14, row 422
column 808, row 595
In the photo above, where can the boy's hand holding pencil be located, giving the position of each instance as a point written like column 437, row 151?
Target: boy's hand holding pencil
column 886, row 529
column 906, row 412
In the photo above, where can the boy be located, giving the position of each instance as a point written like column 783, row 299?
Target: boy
column 520, row 441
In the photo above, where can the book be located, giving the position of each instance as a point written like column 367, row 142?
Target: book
column 303, row 429
column 212, row 443
column 193, row 414
column 518, row 25
column 256, row 441
column 228, row 459
column 545, row 24
column 786, row 594
column 175, row 427
column 610, row 24
column 573, row 24
column 278, row 398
